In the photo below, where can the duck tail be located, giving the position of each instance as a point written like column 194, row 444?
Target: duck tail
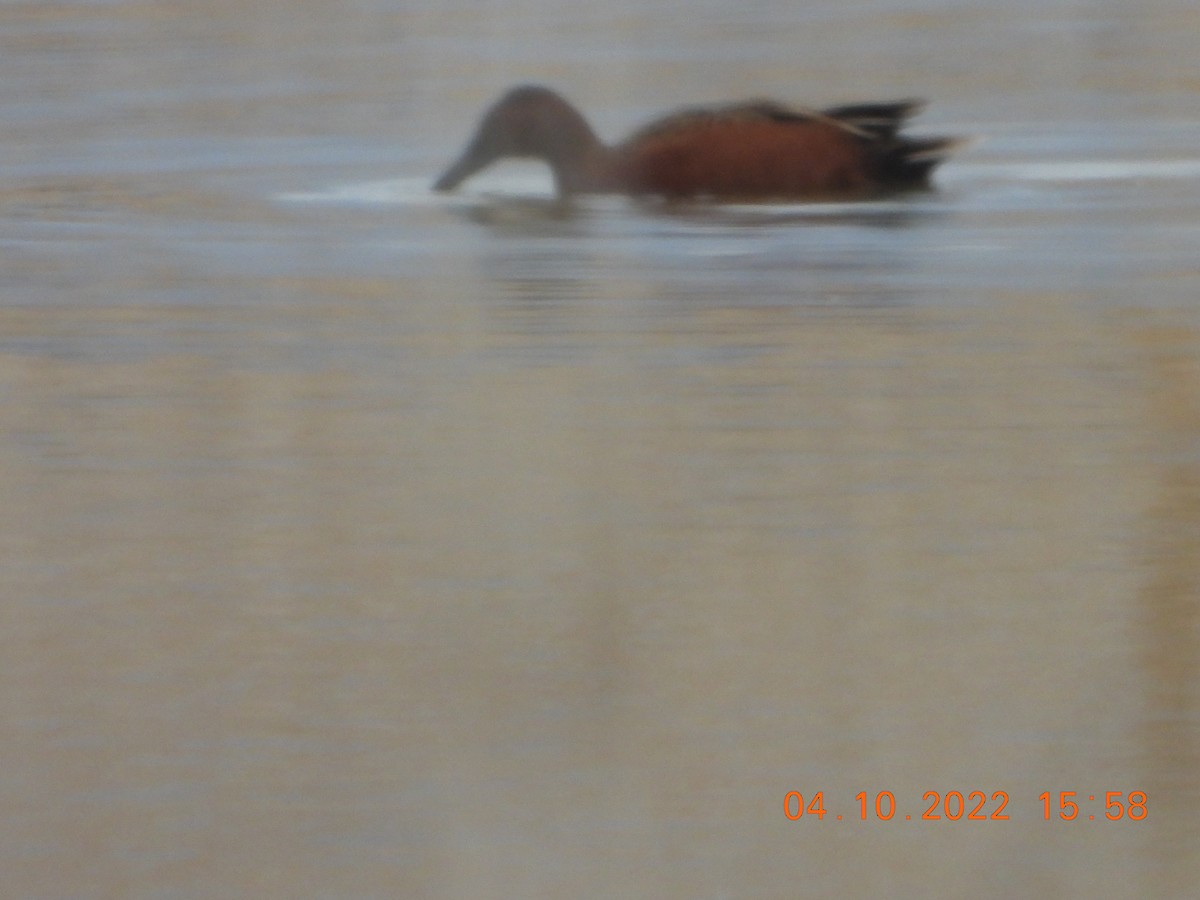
column 912, row 160
column 875, row 120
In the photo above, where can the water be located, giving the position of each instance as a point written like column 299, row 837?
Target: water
column 362, row 542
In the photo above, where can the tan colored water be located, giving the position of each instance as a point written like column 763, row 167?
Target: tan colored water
column 360, row 544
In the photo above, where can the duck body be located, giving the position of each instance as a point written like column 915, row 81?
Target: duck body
column 754, row 150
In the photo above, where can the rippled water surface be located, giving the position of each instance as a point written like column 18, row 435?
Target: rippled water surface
column 361, row 542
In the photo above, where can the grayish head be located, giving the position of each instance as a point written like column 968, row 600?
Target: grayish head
column 530, row 122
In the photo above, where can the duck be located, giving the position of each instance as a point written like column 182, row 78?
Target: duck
column 753, row 150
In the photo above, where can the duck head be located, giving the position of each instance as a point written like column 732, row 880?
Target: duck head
column 532, row 122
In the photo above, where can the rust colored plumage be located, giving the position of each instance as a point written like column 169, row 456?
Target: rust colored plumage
column 753, row 150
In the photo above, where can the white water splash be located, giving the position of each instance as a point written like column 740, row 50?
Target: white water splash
column 510, row 181
column 533, row 183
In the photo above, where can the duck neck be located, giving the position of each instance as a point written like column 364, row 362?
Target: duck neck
column 585, row 169
column 578, row 159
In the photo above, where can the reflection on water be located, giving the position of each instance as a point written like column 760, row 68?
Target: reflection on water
column 359, row 541
column 1167, row 602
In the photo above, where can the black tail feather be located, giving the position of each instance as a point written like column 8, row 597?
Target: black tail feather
column 911, row 160
column 878, row 120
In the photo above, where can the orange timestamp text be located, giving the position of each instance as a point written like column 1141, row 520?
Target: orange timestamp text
column 971, row 806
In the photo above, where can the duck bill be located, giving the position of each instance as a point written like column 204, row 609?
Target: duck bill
column 463, row 169
column 478, row 155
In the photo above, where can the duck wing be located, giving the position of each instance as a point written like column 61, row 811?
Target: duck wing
column 878, row 121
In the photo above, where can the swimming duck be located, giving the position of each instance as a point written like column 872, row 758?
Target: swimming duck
column 753, row 150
